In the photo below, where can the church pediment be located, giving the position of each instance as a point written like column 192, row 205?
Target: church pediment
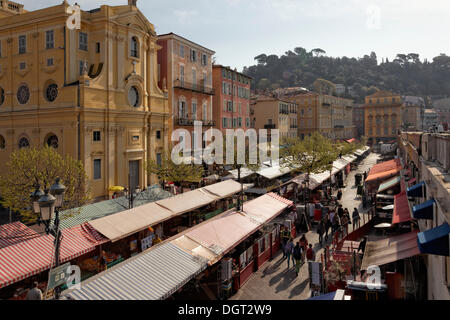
column 136, row 20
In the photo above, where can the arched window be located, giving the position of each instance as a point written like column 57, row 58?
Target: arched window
column 52, row 141
column 134, row 47
column 23, row 143
column 2, row 143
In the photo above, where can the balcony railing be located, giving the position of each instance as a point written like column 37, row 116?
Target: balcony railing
column 190, row 122
column 270, row 126
column 326, row 104
column 201, row 88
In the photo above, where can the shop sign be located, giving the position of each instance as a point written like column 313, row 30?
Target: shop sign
column 58, row 276
column 147, row 242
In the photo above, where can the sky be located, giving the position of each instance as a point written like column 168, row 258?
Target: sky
column 239, row 30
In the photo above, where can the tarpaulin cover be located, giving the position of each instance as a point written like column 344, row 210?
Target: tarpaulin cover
column 266, row 207
column 384, row 170
column 388, row 250
column 152, row 275
column 401, row 212
column 13, row 233
column 33, row 256
column 125, row 223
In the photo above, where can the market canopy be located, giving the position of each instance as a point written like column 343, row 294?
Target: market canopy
column 435, row 241
column 123, row 224
column 224, row 189
column 224, row 232
column 266, row 207
column 424, row 210
column 389, row 184
column 389, row 250
column 361, row 152
column 194, row 249
column 417, row 191
column 187, row 201
column 384, row 170
column 28, row 258
column 401, row 212
column 152, row 275
column 74, row 217
column 14, row 233
column 350, row 140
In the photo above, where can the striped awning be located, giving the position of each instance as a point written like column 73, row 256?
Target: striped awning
column 152, row 275
column 35, row 255
column 281, row 199
column 13, row 233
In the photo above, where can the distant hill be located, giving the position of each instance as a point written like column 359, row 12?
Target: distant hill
column 406, row 75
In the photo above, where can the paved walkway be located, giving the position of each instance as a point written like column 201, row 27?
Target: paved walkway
column 274, row 281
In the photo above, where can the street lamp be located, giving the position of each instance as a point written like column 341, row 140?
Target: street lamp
column 47, row 205
column 131, row 196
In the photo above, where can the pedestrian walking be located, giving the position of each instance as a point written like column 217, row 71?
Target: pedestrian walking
column 35, row 293
column 304, row 245
column 310, row 255
column 336, row 223
column 327, row 226
column 298, row 257
column 344, row 224
column 339, row 195
column 340, row 211
column 356, row 219
column 285, row 236
column 289, row 250
column 320, row 231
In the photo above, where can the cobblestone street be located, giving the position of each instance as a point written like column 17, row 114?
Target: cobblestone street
column 274, row 281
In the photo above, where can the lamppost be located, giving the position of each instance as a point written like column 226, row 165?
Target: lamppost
column 131, row 196
column 47, row 205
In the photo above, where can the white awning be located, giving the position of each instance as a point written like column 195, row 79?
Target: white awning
column 188, row 201
column 125, row 223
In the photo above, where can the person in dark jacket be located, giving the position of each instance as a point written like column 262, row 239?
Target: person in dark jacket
column 339, row 195
column 320, row 231
column 362, row 245
column 297, row 254
column 340, row 211
column 356, row 219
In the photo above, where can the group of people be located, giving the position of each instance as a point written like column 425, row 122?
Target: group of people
column 337, row 220
column 298, row 252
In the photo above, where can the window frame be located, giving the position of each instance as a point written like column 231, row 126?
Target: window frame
column 49, row 44
column 83, row 41
column 22, row 45
column 99, row 176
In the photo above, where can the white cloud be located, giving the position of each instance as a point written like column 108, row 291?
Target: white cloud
column 185, row 16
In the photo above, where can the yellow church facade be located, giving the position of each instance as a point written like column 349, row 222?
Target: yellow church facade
column 91, row 92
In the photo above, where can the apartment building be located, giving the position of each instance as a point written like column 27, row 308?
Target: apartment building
column 427, row 157
column 231, row 103
column 185, row 69
column 383, row 116
column 273, row 113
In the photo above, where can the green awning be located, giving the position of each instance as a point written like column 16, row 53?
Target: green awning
column 389, row 184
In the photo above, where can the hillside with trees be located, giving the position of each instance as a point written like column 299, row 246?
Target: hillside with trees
column 407, row 74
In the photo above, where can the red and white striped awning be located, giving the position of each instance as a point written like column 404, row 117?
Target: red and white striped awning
column 13, row 233
column 28, row 258
column 279, row 198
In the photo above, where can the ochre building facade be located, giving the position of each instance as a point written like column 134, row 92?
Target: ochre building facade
column 91, row 93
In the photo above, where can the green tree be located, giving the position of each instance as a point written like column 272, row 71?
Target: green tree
column 168, row 171
column 310, row 155
column 29, row 167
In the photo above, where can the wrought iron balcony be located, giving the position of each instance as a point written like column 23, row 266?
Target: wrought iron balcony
column 326, row 104
column 270, row 126
column 200, row 88
column 190, row 122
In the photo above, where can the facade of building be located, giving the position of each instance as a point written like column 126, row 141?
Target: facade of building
column 358, row 119
column 273, row 113
column 231, row 103
column 383, row 116
column 442, row 107
column 185, row 68
column 90, row 93
column 331, row 116
column 413, row 111
column 430, row 119
column 428, row 156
